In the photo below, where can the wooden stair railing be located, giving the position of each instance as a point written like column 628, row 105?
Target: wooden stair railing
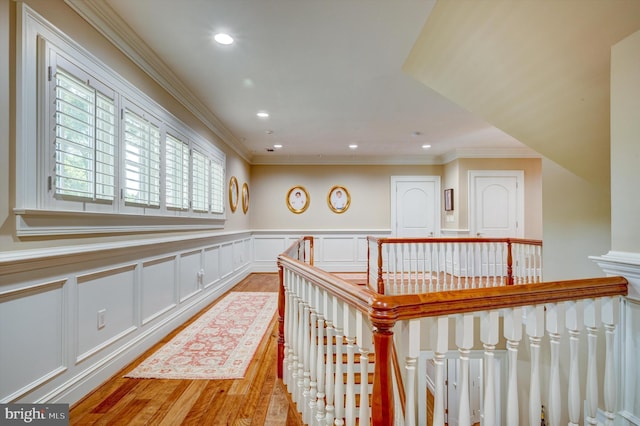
column 419, row 265
column 355, row 313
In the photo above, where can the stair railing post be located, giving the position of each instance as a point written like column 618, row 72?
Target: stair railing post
column 510, row 280
column 281, row 305
column 380, row 282
column 383, row 318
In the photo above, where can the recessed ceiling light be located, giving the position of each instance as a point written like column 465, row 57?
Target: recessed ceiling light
column 277, row 146
column 223, row 38
column 263, row 114
column 353, row 146
column 426, row 146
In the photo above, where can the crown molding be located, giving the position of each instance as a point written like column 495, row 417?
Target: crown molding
column 108, row 23
column 433, row 160
column 461, row 153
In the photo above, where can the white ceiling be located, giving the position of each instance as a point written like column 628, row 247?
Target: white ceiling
column 328, row 73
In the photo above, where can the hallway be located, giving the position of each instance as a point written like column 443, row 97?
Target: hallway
column 258, row 399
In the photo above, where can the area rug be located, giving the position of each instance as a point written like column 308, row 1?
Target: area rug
column 218, row 345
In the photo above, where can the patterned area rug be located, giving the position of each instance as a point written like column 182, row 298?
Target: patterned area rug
column 218, row 345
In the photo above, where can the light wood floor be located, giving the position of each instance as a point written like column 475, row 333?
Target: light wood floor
column 258, row 399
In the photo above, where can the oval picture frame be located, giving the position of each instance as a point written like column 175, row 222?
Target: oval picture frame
column 245, row 198
column 297, row 199
column 233, row 194
column 338, row 199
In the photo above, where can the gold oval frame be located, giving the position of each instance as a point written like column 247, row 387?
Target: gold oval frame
column 333, row 199
column 245, row 198
column 294, row 205
column 233, row 194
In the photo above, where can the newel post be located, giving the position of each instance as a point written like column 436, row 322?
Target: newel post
column 382, row 404
column 280, row 319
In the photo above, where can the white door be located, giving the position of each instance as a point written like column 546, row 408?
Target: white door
column 496, row 203
column 415, row 206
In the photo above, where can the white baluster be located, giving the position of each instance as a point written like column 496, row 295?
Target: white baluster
column 472, row 264
column 499, row 264
column 574, row 315
column 413, row 274
column 329, row 378
column 440, row 344
column 464, row 341
column 287, row 330
column 321, row 367
column 591, row 320
column 350, row 392
column 535, row 331
column 412, row 346
column 513, row 335
column 299, row 398
column 424, row 268
column 434, row 266
column 489, row 337
column 610, row 312
column 306, row 327
column 484, row 281
column 396, row 268
column 339, row 376
column 313, row 371
column 555, row 325
column 364, row 338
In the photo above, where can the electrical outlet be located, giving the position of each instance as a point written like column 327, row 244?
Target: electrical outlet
column 101, row 318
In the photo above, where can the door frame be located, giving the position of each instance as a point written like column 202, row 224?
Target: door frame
column 437, row 200
column 519, row 175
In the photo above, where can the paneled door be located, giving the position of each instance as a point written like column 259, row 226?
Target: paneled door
column 415, row 206
column 496, row 203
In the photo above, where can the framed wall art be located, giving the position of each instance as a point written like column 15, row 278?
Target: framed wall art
column 233, row 193
column 297, row 199
column 338, row 199
column 448, row 200
column 245, row 198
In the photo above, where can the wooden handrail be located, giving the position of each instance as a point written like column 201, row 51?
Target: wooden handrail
column 388, row 240
column 412, row 306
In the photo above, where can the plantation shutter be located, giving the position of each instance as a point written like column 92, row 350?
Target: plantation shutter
column 217, row 187
column 177, row 173
column 85, row 140
column 200, row 182
column 142, row 160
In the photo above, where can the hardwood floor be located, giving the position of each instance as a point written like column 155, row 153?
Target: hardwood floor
column 258, row 399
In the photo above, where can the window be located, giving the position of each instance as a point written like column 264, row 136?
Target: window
column 102, row 153
column 176, row 173
column 142, row 160
column 84, row 140
column 217, row 187
column 200, row 186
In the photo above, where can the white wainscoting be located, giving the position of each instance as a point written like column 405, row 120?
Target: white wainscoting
column 335, row 251
column 71, row 317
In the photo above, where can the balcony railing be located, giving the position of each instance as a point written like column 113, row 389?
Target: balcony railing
column 329, row 328
column 421, row 265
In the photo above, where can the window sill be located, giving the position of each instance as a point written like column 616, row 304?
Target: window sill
column 36, row 222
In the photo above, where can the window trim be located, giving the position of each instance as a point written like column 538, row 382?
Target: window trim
column 36, row 212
